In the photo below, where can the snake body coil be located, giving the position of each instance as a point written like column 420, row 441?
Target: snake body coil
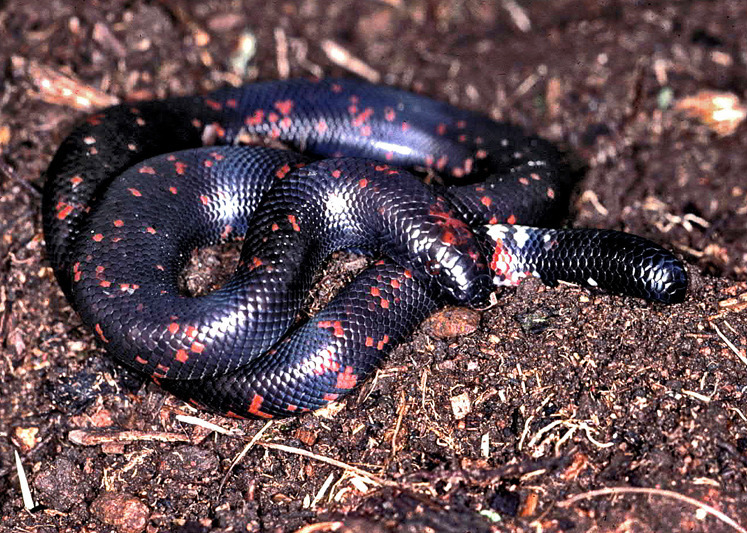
column 133, row 190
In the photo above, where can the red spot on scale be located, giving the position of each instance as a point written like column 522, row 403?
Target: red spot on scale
column 255, row 119
column 172, row 190
column 389, row 114
column 486, row 201
column 105, row 284
column 335, row 325
column 134, row 192
column 76, row 180
column 173, row 328
column 375, row 291
column 282, row 171
column 441, row 128
column 294, row 223
column 363, row 116
column 336, row 88
column 291, row 408
column 212, row 104
column 256, row 405
column 147, row 170
column 384, row 303
column 321, row 126
column 369, row 341
column 98, row 237
column 191, row 332
column 381, row 168
column 118, row 223
column 197, row 347
column 380, row 345
column 204, row 199
column 363, row 183
column 181, row 355
column 100, row 332
column 330, row 397
column 408, row 274
column 63, row 210
column 208, row 163
column 395, row 283
column 346, row 379
column 511, row 219
column 140, row 360
column 273, row 117
column 336, row 173
column 524, row 181
column 284, row 106
column 550, row 193
column 180, row 167
column 286, row 122
column 151, row 230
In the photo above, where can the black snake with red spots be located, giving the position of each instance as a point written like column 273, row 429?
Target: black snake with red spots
column 133, row 190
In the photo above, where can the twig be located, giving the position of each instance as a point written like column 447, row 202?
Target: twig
column 330, row 461
column 655, row 492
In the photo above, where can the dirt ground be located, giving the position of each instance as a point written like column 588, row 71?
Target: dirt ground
column 565, row 410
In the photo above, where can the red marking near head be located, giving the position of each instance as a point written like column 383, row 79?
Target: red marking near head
column 408, row 274
column 346, row 379
column 284, row 106
column 256, row 262
column 181, row 355
column 256, row 405
column 98, row 237
column 76, row 180
column 100, row 332
column 134, row 192
column 294, row 223
column 501, row 261
column 282, row 171
column 255, row 119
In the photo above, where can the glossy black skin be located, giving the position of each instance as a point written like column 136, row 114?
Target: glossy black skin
column 120, row 221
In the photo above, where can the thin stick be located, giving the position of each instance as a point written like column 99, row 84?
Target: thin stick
column 330, row 461
column 655, row 492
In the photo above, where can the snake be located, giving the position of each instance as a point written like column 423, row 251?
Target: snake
column 448, row 203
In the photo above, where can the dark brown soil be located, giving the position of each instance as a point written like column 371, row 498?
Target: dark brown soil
column 569, row 390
